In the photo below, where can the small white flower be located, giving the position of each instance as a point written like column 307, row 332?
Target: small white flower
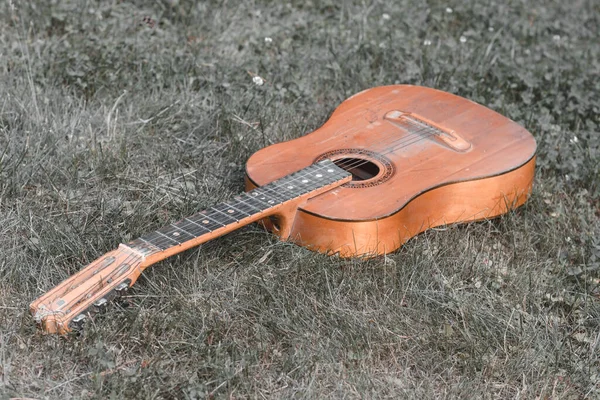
column 556, row 38
column 258, row 81
column 491, row 29
column 568, row 239
column 574, row 140
column 268, row 40
column 427, row 42
column 385, row 16
column 567, row 177
column 449, row 10
column 463, row 39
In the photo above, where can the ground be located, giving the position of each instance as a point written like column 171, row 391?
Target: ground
column 117, row 117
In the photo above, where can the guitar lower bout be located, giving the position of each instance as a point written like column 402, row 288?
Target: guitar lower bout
column 458, row 202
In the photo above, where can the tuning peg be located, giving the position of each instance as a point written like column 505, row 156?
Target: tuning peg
column 100, row 305
column 78, row 322
column 122, row 289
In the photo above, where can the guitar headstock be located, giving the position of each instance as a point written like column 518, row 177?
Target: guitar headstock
column 72, row 302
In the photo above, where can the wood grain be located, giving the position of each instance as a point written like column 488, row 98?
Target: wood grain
column 432, row 184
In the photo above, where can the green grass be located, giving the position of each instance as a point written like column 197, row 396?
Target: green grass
column 110, row 128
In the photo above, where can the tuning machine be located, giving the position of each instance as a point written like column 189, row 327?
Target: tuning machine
column 78, row 322
column 99, row 306
column 122, row 289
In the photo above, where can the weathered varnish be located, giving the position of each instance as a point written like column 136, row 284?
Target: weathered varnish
column 432, row 185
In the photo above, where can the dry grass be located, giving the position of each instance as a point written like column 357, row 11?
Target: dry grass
column 110, row 127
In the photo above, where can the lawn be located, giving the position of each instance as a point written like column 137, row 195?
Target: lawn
column 118, row 117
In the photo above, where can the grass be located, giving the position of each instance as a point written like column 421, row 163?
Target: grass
column 110, row 127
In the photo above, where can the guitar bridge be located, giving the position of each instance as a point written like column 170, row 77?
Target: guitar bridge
column 427, row 128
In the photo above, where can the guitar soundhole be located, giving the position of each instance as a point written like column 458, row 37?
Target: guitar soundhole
column 360, row 169
column 368, row 168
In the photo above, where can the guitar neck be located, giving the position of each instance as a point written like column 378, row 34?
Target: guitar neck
column 70, row 303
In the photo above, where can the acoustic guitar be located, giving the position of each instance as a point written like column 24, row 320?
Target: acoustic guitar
column 390, row 163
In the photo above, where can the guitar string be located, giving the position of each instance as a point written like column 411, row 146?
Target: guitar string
column 162, row 243
column 168, row 240
column 403, row 142
column 275, row 191
column 406, row 122
column 360, row 162
column 102, row 283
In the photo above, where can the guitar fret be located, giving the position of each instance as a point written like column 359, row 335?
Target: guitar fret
column 183, row 230
column 157, row 240
column 269, row 195
column 300, row 185
column 245, row 202
column 245, row 207
column 221, row 216
column 253, row 202
column 145, row 241
column 260, row 197
column 289, row 189
column 231, row 211
column 305, row 184
column 206, row 221
column 176, row 233
column 193, row 226
column 169, row 237
column 190, row 227
column 242, row 207
column 144, row 246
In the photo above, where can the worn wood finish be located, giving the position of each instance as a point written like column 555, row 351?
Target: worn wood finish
column 111, row 275
column 432, row 185
column 435, row 159
column 452, row 203
column 499, row 145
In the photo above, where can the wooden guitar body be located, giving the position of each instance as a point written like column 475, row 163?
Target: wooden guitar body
column 390, row 163
column 429, row 158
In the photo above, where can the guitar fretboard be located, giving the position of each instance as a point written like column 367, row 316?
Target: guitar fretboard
column 240, row 209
